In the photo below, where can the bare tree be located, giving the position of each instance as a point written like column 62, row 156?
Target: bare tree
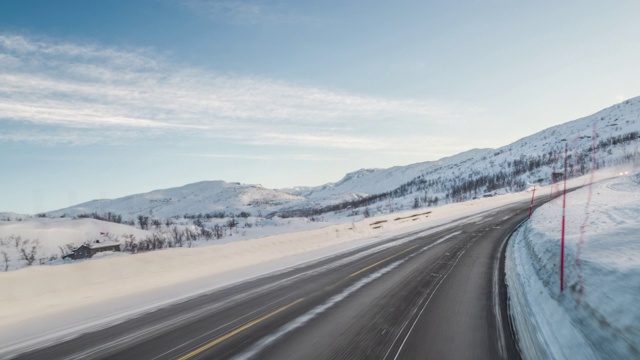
column 206, row 233
column 217, row 231
column 29, row 256
column 144, row 222
column 63, row 251
column 232, row 223
column 177, row 236
column 5, row 257
column 66, row 249
column 17, row 241
column 191, row 234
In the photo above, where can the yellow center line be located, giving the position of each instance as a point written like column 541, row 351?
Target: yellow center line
column 381, row 261
column 254, row 322
column 235, row 332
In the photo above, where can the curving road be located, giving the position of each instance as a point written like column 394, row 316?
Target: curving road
column 434, row 296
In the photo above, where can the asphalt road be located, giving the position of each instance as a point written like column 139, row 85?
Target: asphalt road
column 435, row 296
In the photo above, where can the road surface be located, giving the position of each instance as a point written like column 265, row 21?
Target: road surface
column 436, row 296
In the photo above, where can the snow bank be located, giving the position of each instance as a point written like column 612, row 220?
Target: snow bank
column 597, row 315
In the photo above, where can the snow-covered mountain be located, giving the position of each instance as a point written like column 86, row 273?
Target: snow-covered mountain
column 606, row 138
column 365, row 182
column 610, row 136
column 202, row 197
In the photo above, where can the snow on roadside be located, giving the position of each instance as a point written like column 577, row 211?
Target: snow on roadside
column 597, row 315
column 46, row 301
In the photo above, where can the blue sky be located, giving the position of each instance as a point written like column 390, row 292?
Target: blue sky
column 101, row 99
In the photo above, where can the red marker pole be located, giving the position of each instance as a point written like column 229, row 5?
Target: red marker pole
column 553, row 177
column 564, row 205
column 532, row 196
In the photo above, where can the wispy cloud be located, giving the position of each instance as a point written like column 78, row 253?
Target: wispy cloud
column 297, row 157
column 337, row 141
column 87, row 87
column 66, row 136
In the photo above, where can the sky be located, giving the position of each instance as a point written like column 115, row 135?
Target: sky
column 103, row 99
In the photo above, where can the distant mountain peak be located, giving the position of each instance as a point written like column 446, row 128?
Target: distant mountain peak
column 356, row 175
column 199, row 197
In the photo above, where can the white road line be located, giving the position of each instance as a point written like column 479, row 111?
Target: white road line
column 423, row 308
column 502, row 347
column 303, row 319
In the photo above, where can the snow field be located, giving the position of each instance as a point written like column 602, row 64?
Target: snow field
column 50, row 302
column 597, row 314
column 52, row 234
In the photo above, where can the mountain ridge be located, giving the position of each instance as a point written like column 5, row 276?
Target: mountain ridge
column 454, row 178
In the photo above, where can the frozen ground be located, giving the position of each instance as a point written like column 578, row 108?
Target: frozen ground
column 597, row 316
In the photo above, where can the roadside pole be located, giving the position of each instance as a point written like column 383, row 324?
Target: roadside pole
column 553, row 177
column 532, row 196
column 564, row 206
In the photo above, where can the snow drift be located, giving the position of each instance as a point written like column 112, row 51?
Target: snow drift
column 597, row 314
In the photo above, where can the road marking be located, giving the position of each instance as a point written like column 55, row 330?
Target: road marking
column 302, row 320
column 348, row 291
column 313, row 313
column 422, row 310
column 381, row 261
column 197, row 339
column 236, row 331
column 497, row 312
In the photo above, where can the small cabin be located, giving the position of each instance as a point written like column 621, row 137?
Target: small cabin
column 87, row 251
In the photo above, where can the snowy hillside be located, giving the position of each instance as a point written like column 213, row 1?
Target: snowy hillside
column 603, row 140
column 201, row 197
column 376, row 181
